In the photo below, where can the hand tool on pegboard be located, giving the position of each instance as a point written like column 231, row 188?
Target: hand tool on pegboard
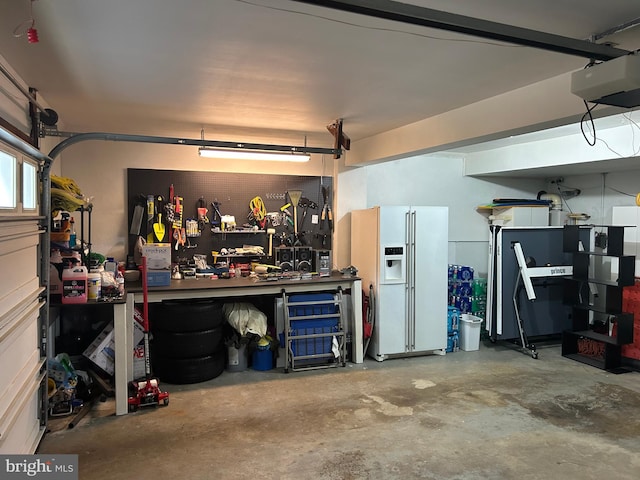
column 169, row 208
column 327, row 214
column 306, row 204
column 294, row 197
column 151, row 215
column 288, row 217
column 203, row 219
column 158, row 227
column 138, row 214
column 216, row 216
column 177, row 221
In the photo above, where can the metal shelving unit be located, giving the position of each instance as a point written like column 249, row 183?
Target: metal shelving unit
column 314, row 333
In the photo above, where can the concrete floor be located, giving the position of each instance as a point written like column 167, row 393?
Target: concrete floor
column 491, row 414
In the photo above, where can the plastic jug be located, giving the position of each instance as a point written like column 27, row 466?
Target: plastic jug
column 95, row 285
column 74, row 285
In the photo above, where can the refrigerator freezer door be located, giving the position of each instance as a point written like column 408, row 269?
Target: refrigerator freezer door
column 393, row 244
column 429, row 262
column 390, row 334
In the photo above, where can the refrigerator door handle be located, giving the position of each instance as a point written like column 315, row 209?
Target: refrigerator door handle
column 412, row 280
column 407, row 285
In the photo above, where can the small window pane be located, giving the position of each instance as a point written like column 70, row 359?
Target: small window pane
column 29, row 186
column 7, row 180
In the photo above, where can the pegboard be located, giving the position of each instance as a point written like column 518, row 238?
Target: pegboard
column 233, row 191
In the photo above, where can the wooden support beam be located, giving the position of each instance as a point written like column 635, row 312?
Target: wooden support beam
column 341, row 140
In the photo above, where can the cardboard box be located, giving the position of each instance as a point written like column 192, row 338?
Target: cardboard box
column 102, row 350
column 158, row 256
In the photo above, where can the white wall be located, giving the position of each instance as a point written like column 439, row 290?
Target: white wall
column 434, row 180
column 600, row 192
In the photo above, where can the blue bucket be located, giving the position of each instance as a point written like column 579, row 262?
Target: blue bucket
column 262, row 359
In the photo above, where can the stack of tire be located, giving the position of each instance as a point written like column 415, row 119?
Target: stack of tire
column 187, row 341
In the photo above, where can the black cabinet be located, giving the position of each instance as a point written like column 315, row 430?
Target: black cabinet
column 599, row 325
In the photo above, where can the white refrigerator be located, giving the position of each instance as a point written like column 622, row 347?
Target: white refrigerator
column 403, row 253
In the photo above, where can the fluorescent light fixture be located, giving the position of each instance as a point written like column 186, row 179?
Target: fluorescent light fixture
column 253, row 155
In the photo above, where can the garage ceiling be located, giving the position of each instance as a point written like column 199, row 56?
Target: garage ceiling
column 279, row 70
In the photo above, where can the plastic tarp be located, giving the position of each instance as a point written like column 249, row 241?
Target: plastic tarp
column 245, row 318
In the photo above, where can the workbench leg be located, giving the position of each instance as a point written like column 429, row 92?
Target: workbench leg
column 357, row 341
column 123, row 337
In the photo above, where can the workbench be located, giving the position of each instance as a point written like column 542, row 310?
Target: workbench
column 222, row 289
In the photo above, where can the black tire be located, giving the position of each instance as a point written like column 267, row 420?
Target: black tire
column 180, row 371
column 186, row 344
column 191, row 315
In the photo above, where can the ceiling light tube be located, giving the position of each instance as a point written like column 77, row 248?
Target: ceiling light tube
column 253, row 155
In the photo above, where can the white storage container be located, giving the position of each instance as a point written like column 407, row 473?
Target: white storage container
column 470, row 332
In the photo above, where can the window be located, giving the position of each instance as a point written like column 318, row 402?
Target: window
column 29, row 186
column 8, row 167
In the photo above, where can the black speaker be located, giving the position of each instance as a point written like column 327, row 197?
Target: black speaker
column 285, row 258
column 303, row 259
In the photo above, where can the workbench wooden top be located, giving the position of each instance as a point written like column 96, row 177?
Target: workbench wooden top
column 240, row 283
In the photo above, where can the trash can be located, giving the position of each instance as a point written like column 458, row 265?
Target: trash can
column 237, row 359
column 469, row 332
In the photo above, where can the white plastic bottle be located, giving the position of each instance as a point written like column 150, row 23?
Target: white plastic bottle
column 111, row 266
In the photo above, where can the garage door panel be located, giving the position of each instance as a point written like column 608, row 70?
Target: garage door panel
column 19, row 339
column 18, row 385
column 23, row 307
column 20, row 426
column 11, row 300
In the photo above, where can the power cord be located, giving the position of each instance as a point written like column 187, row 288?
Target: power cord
column 588, row 116
column 564, row 199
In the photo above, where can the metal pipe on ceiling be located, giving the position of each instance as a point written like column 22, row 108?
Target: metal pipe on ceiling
column 117, row 137
column 23, row 90
column 427, row 17
column 616, row 29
